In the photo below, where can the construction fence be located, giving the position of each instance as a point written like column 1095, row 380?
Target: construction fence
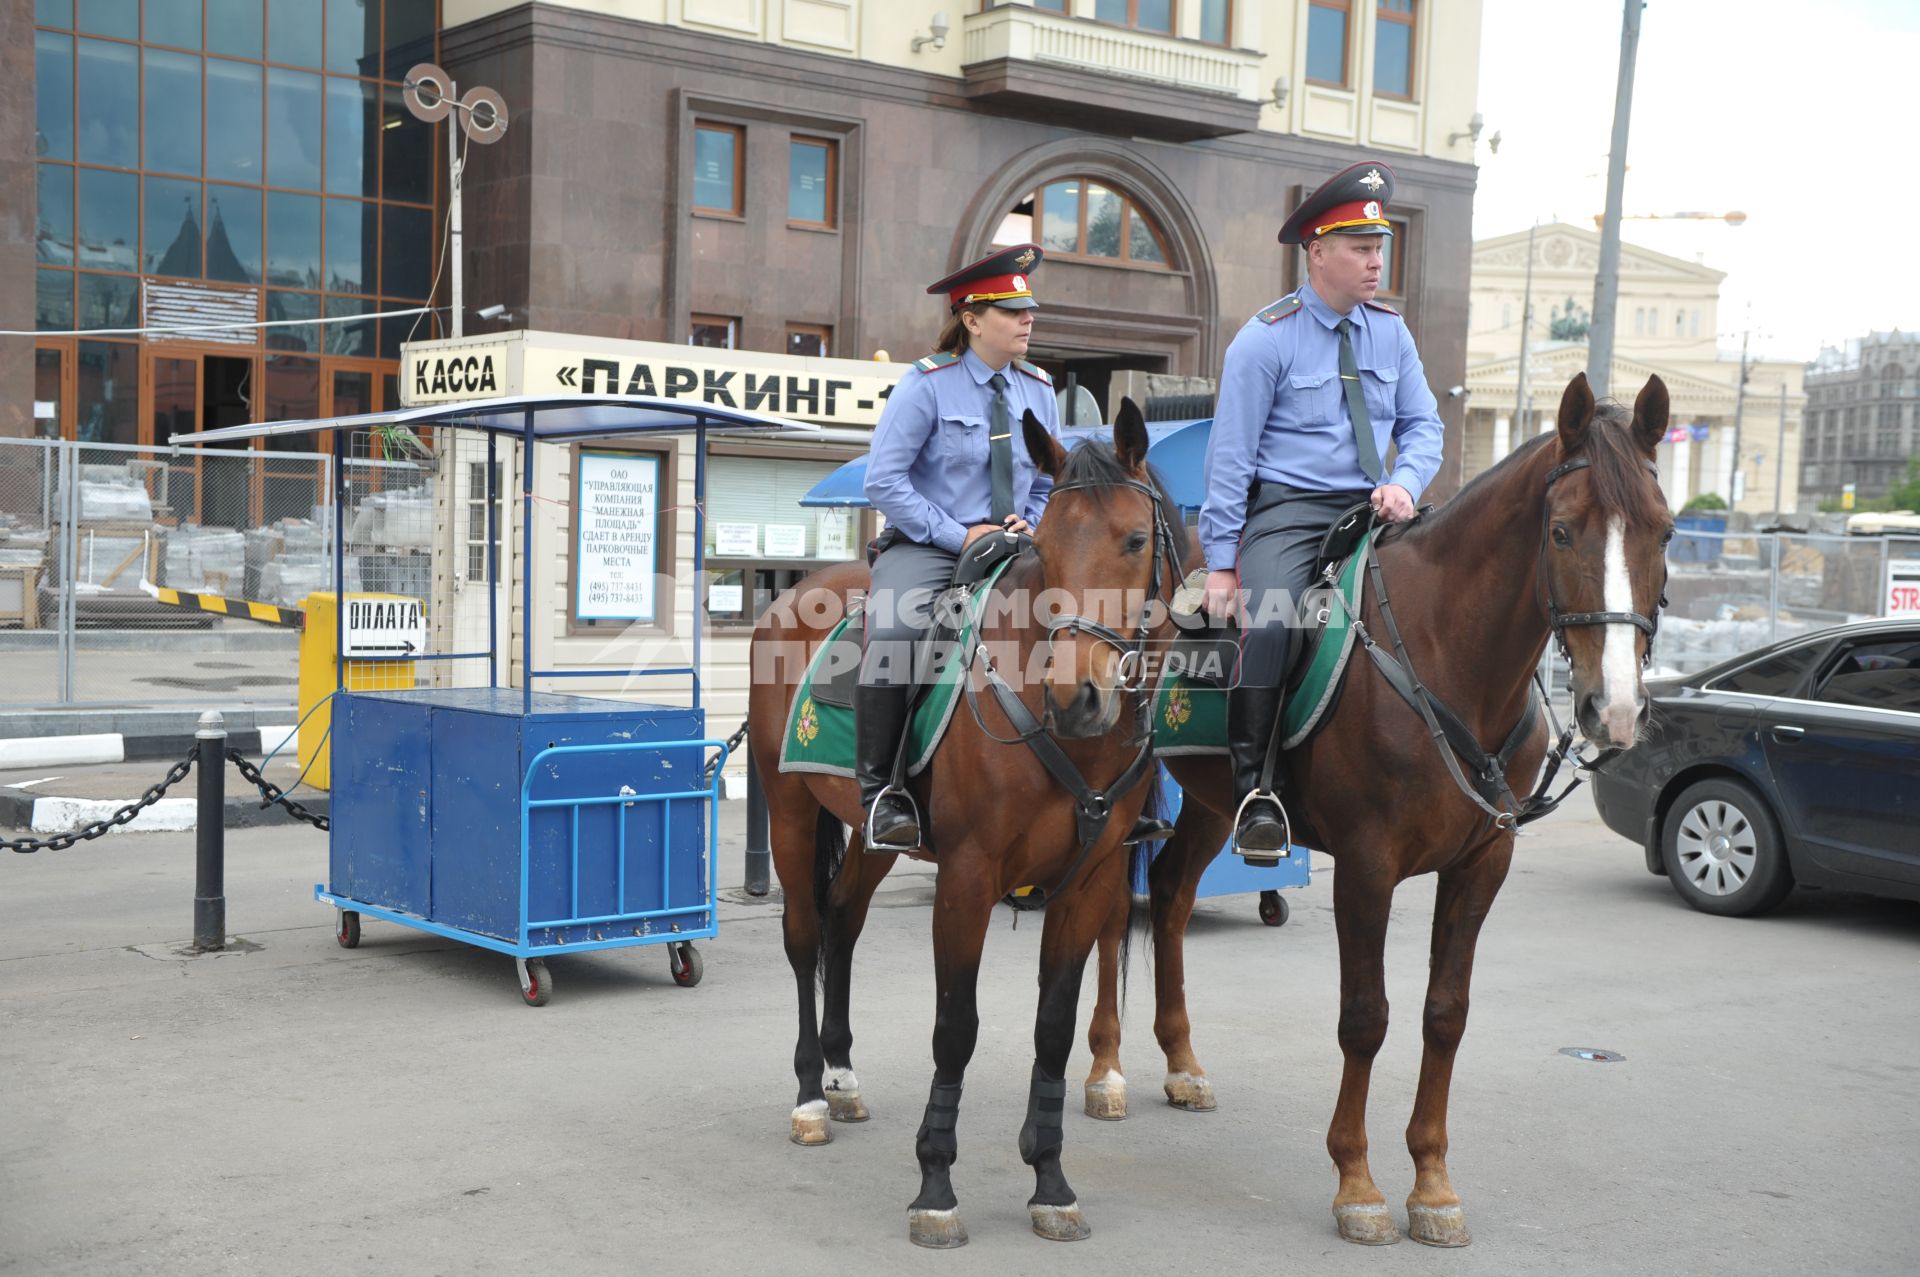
column 134, row 575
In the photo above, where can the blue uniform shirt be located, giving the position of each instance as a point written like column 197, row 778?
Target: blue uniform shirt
column 929, row 472
column 1282, row 413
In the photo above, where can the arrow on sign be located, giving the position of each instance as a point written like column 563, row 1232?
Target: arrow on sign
column 566, row 375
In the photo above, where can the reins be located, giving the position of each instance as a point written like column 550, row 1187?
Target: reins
column 1488, row 787
column 1093, row 808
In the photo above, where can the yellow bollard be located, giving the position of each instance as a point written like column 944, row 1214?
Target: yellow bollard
column 317, row 680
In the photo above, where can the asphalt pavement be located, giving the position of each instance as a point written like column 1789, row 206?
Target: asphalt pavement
column 293, row 1107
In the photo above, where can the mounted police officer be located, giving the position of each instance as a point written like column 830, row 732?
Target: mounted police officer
column 1315, row 389
column 945, row 472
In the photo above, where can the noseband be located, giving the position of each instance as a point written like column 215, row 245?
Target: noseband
column 1560, row 622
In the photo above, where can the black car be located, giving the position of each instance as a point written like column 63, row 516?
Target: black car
column 1795, row 764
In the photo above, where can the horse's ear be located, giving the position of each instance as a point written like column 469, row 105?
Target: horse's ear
column 1130, row 436
column 1048, row 456
column 1650, row 416
column 1576, row 413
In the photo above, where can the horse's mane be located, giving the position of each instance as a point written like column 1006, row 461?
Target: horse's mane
column 1096, row 464
column 1617, row 477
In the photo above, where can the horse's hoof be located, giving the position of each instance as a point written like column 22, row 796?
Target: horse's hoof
column 1437, row 1225
column 936, row 1229
column 845, row 1106
column 1107, row 1098
column 1194, row 1094
column 1060, row 1223
column 1367, row 1223
column 810, row 1123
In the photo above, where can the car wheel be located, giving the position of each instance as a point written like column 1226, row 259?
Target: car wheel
column 1723, row 850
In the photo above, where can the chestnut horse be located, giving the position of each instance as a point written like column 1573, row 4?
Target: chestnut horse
column 998, row 819
column 1562, row 540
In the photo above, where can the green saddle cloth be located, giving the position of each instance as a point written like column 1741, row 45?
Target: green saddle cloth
column 1190, row 717
column 819, row 736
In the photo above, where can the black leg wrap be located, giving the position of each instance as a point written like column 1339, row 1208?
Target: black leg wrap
column 1042, row 1138
column 938, row 1148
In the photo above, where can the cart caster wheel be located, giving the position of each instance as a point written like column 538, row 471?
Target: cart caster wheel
column 536, row 986
column 683, row 960
column 1273, row 909
column 347, row 929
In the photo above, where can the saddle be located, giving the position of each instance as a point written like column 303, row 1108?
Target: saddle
column 839, row 673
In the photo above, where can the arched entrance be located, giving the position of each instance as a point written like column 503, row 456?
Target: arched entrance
column 1128, row 282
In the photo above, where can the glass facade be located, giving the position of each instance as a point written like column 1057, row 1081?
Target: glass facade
column 255, row 152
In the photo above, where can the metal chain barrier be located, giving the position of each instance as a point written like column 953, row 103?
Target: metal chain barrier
column 720, row 760
column 60, row 842
column 271, row 793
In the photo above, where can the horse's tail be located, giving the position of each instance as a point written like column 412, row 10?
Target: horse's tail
column 829, row 850
column 1140, row 900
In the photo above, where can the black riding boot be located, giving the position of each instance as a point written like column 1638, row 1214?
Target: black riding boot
column 879, row 721
column 1260, row 830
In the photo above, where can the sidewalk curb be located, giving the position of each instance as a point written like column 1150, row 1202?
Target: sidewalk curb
column 17, row 809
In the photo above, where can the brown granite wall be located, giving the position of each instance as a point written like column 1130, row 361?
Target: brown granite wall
column 579, row 221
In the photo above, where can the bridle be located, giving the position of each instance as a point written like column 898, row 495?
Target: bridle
column 1092, row 807
column 1488, row 786
column 1133, row 651
column 1560, row 622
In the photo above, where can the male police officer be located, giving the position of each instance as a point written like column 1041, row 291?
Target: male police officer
column 1314, row 389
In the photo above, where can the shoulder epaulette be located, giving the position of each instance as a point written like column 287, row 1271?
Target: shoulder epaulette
column 1377, row 306
column 936, row 361
column 1280, row 310
column 1034, row 371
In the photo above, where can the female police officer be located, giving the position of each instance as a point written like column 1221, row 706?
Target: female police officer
column 945, row 471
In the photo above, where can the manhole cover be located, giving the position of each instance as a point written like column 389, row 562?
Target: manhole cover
column 218, row 684
column 1593, row 1053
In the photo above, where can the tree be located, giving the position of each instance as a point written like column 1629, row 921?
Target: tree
column 1905, row 495
column 1704, row 501
column 1570, row 324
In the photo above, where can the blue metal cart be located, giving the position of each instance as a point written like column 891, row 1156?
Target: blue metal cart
column 520, row 820
column 1178, row 450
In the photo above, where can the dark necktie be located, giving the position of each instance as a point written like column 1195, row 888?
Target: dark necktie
column 1000, row 450
column 1357, row 405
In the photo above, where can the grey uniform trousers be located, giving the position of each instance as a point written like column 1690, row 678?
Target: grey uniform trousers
column 1278, row 546
column 907, row 578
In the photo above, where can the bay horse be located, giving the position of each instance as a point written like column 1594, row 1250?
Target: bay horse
column 1563, row 540
column 997, row 818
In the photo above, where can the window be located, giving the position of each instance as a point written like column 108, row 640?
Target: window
column 1876, row 675
column 1693, row 324
column 1776, row 675
column 1078, row 217
column 1327, row 42
column 1639, row 321
column 1216, row 21
column 810, row 183
column 1393, row 260
column 1142, row 15
column 1052, row 6
column 1393, row 49
column 719, row 175
column 813, row 340
column 759, row 539
column 716, row 331
column 477, row 530
column 1679, row 323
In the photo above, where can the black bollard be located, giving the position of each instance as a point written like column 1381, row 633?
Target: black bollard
column 210, row 824
column 759, row 849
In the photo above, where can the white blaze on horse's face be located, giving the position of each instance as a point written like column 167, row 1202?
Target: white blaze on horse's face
column 1622, row 698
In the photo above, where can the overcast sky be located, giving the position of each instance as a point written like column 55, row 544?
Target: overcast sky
column 1802, row 115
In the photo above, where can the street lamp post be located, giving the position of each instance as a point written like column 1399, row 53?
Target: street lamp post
column 1606, row 284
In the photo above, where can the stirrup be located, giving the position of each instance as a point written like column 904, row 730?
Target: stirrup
column 1263, row 859
column 873, row 843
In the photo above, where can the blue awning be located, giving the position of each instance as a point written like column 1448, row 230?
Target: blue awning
column 1177, row 449
column 553, row 417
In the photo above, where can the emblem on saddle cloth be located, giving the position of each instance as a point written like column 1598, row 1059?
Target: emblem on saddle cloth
column 806, row 724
